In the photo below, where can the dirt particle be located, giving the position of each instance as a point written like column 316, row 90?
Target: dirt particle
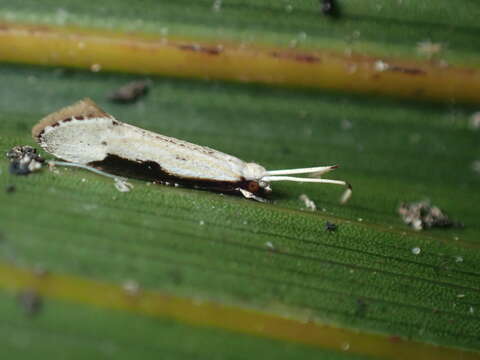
column 474, row 122
column 217, row 5
column 130, row 92
column 24, row 160
column 131, row 287
column 331, row 227
column 270, row 246
column 95, row 67
column 330, row 8
column 476, row 166
column 428, row 48
column 30, row 301
column 416, row 250
column 361, row 308
column 122, row 185
column 309, row 204
column 421, row 215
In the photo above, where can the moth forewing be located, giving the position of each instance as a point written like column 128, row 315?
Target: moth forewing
column 82, row 139
column 86, row 135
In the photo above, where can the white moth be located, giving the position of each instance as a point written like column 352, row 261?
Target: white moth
column 86, row 136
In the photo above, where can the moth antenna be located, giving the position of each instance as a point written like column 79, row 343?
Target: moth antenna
column 346, row 195
column 319, row 170
column 85, row 167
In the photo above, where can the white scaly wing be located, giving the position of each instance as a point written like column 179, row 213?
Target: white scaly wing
column 87, row 136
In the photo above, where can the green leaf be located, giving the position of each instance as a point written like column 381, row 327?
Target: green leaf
column 276, row 258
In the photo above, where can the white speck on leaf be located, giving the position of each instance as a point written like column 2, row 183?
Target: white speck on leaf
column 131, row 287
column 346, row 124
column 61, row 16
column 381, row 65
column 309, row 204
column 476, row 166
column 122, row 185
column 475, row 121
column 428, row 48
column 217, row 5
column 95, row 67
column 416, row 250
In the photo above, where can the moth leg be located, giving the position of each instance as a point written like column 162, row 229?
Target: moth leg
column 250, row 195
column 86, row 167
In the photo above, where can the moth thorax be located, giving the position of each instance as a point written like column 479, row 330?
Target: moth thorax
column 253, row 171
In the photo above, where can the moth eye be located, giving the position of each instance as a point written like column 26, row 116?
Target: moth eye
column 253, row 186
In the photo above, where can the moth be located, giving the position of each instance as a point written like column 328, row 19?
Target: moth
column 88, row 137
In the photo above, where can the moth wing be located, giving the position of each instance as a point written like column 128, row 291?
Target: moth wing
column 176, row 157
column 83, row 133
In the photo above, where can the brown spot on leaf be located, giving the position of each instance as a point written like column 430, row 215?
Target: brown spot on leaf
column 210, row 50
column 307, row 58
column 408, row 71
column 395, row 339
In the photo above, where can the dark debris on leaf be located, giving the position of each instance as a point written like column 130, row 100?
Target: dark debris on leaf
column 331, row 227
column 330, row 8
column 361, row 308
column 130, row 92
column 30, row 301
column 24, row 160
column 422, row 215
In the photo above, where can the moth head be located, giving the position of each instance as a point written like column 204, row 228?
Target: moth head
column 253, row 174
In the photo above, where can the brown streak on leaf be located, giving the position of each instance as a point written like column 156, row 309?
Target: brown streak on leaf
column 408, row 71
column 203, row 49
column 307, row 58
